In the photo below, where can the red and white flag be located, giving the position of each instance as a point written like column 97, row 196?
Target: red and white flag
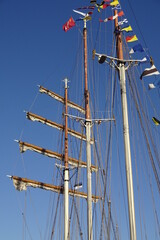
column 121, row 13
column 69, row 24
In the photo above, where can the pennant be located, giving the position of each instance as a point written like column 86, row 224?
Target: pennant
column 156, row 121
column 149, row 71
column 86, row 16
column 114, row 3
column 122, row 22
column 151, row 86
column 144, row 60
column 69, row 24
column 131, row 38
column 127, row 29
column 112, row 17
column 136, row 48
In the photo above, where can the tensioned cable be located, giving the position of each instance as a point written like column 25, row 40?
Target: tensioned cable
column 138, row 25
column 156, row 217
column 55, row 216
column 145, row 135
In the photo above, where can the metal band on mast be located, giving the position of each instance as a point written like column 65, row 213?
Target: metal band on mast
column 128, row 163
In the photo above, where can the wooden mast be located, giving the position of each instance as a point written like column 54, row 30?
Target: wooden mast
column 121, row 68
column 66, row 169
column 88, row 134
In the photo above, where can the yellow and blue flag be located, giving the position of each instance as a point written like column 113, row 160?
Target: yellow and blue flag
column 137, row 48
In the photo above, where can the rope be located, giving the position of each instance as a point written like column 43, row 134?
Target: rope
column 138, row 25
column 145, row 135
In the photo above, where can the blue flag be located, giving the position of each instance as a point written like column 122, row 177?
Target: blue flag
column 137, row 48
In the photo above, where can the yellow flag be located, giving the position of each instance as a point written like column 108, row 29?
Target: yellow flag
column 127, row 29
column 114, row 3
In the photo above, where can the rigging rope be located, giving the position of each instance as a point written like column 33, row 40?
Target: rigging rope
column 132, row 84
column 138, row 25
column 145, row 135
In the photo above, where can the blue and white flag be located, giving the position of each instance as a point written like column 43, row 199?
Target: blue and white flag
column 116, row 7
column 136, row 48
column 122, row 22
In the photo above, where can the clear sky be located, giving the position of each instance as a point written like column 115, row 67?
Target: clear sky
column 35, row 50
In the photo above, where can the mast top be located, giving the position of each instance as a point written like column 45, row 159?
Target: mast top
column 66, row 82
column 118, row 38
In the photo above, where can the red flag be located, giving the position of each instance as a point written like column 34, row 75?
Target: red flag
column 105, row 5
column 121, row 13
column 69, row 24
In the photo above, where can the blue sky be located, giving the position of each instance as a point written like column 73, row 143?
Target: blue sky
column 35, row 50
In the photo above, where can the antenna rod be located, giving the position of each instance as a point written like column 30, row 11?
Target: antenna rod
column 88, row 137
column 66, row 169
column 129, row 178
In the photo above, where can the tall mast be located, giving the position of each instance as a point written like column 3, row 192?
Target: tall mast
column 121, row 68
column 66, row 169
column 88, row 145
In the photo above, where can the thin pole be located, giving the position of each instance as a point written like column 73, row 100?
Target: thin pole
column 66, row 170
column 128, row 163
column 109, row 219
column 88, row 136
